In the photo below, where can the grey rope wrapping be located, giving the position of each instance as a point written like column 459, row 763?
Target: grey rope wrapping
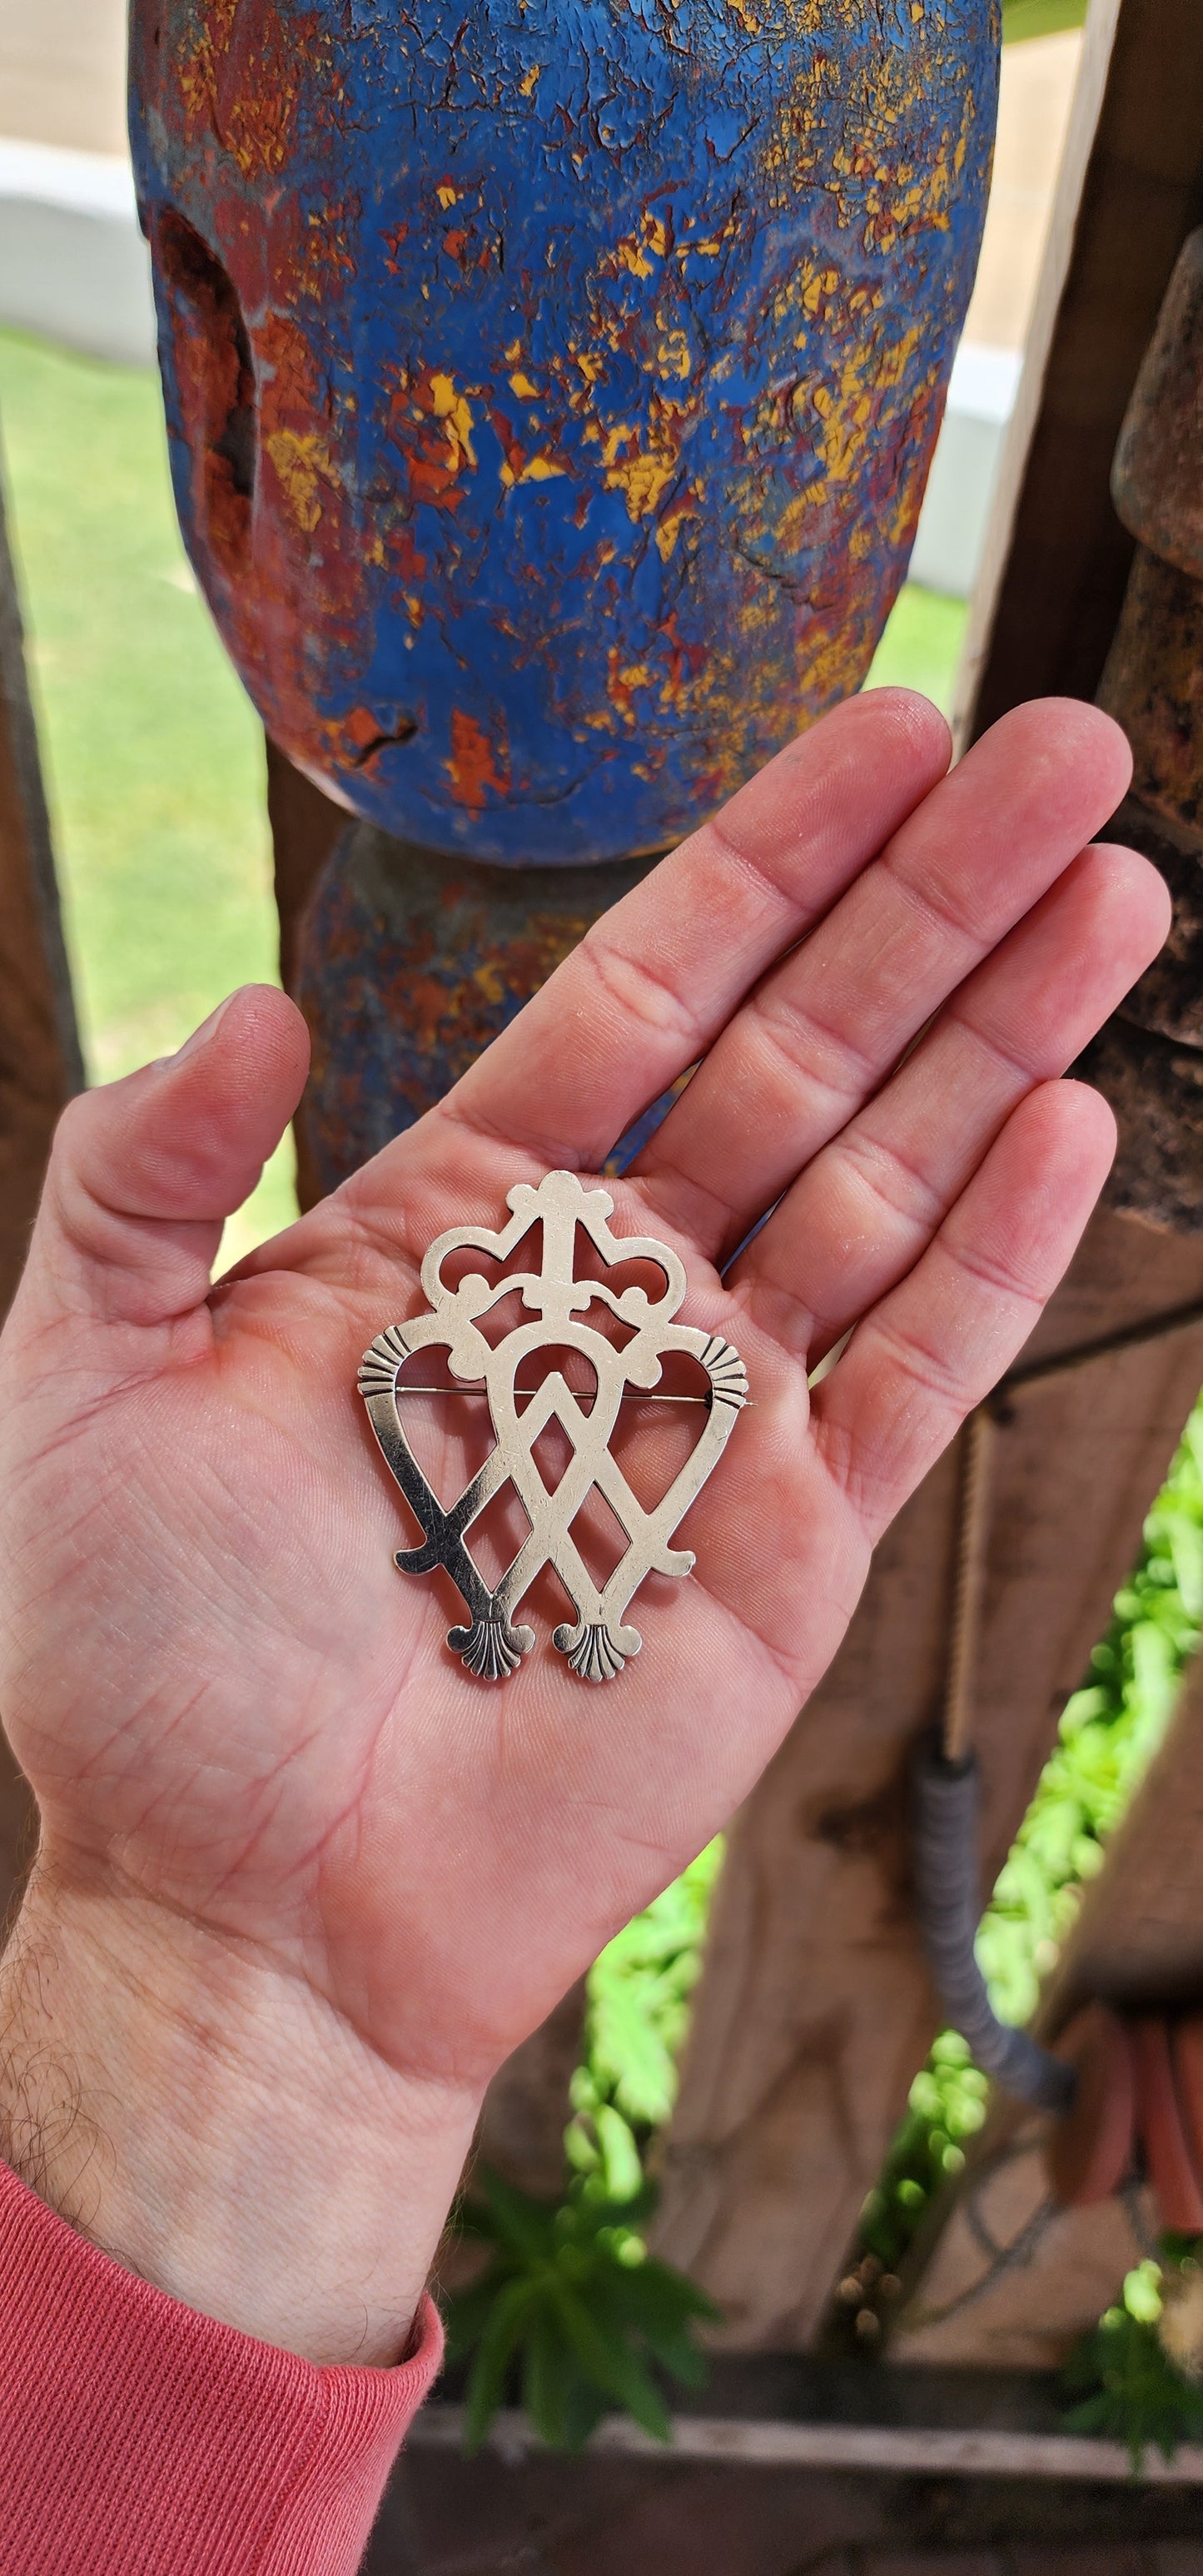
column 948, row 1902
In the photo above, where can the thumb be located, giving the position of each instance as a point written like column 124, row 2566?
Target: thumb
column 144, row 1172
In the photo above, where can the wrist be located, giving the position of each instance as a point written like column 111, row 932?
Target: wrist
column 211, row 2122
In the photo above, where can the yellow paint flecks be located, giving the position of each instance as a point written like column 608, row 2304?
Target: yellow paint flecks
column 540, row 469
column 632, row 255
column 641, row 458
column 673, row 357
column 668, row 532
column 819, row 287
column 455, row 412
column 622, row 680
column 303, row 462
column 447, row 196
column 637, row 251
column 641, row 480
column 530, row 83
column 522, row 386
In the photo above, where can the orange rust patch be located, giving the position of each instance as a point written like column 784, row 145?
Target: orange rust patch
column 476, row 763
column 361, row 727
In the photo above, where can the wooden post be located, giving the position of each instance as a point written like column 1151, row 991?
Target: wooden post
column 1001, row 2280
column 816, row 2007
column 305, row 824
column 1138, row 1939
column 40, row 1060
column 1057, row 560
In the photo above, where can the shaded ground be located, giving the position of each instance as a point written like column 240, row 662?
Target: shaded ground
column 623, row 2519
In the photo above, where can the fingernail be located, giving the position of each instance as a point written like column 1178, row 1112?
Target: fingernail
column 200, row 1037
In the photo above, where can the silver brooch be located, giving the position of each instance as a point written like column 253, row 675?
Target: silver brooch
column 598, row 1644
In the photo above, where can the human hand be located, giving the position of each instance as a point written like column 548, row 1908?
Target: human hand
column 303, row 1881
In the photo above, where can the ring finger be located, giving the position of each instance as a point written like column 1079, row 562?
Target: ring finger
column 864, row 1210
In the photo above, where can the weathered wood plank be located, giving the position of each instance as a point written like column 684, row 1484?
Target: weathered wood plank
column 816, row 2008
column 40, row 1061
column 1057, row 559
column 972, row 2306
column 305, row 825
column 1138, row 1938
column 526, row 2111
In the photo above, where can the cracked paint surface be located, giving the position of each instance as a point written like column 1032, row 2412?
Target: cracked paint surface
column 551, row 388
column 412, row 963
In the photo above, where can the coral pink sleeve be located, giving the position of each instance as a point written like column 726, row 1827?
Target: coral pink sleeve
column 140, row 2439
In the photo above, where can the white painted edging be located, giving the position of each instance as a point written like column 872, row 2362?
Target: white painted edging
column 73, row 264
column 897, row 2449
column 951, row 535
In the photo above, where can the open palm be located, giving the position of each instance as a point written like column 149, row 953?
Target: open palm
column 230, row 1703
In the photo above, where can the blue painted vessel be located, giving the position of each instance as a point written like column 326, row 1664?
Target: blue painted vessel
column 551, row 388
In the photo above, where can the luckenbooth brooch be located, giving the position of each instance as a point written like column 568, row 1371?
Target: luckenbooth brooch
column 598, row 1643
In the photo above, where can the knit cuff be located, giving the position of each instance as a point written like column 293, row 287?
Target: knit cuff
column 138, row 2438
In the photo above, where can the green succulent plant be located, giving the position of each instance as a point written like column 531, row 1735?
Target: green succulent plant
column 572, row 2313
column 1128, row 2388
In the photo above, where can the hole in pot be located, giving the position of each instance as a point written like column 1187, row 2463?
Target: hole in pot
column 215, row 387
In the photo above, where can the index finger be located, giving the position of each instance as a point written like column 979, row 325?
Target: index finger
column 654, row 981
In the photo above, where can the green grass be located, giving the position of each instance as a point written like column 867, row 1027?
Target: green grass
column 1023, row 18
column 921, row 645
column 153, row 756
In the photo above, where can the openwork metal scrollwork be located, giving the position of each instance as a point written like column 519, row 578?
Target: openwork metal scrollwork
column 599, row 1642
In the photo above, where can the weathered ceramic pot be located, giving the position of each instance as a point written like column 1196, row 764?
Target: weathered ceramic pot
column 551, row 386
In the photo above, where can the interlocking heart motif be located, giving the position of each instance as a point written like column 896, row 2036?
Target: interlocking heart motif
column 598, row 1644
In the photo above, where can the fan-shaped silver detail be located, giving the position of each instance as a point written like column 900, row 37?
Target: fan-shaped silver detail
column 379, row 1365
column 491, row 1648
column 595, row 1656
column 726, row 1372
